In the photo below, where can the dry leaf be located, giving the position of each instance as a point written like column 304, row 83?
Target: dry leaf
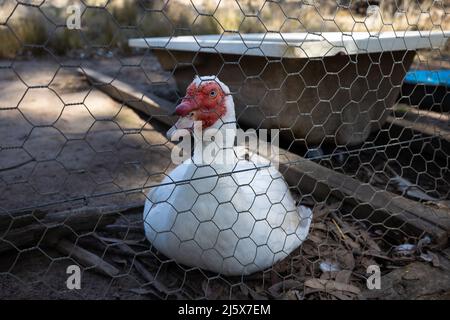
column 141, row 291
column 319, row 226
column 342, row 296
column 256, row 296
column 343, row 276
column 434, row 259
column 309, row 249
column 367, row 240
column 346, row 259
column 320, row 212
column 277, row 289
column 314, row 238
column 330, row 285
column 366, row 261
column 212, row 290
column 376, row 254
column 352, row 244
column 293, row 295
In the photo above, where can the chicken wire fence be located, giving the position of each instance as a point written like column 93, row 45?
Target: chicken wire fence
column 361, row 185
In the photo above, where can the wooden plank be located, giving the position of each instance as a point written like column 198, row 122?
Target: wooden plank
column 378, row 206
column 147, row 103
column 86, row 258
column 428, row 129
column 423, row 121
column 50, row 226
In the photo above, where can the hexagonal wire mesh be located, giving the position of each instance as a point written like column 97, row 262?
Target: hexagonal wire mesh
column 87, row 88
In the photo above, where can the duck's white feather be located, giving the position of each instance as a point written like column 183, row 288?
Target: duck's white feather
column 230, row 222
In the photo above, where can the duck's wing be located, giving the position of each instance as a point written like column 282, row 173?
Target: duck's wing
column 164, row 189
column 273, row 199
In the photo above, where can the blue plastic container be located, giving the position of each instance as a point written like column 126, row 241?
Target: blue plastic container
column 427, row 89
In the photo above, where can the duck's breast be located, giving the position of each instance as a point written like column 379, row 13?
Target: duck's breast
column 235, row 223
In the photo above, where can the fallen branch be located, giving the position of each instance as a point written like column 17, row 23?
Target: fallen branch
column 152, row 280
column 86, row 258
column 278, row 289
column 117, row 228
column 49, row 227
column 431, row 128
column 118, row 248
column 119, row 241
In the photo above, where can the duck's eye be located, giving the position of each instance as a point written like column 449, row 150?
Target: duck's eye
column 191, row 114
column 213, row 93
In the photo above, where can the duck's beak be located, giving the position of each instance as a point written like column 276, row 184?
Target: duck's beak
column 185, row 123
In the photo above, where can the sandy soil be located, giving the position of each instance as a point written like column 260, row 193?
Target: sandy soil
column 70, row 140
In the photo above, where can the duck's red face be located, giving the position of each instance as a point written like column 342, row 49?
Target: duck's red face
column 203, row 102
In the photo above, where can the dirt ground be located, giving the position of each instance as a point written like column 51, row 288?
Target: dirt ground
column 40, row 272
column 70, row 140
column 68, row 144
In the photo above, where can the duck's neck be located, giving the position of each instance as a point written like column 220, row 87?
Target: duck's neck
column 214, row 145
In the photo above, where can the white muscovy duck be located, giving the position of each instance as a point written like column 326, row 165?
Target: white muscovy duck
column 232, row 217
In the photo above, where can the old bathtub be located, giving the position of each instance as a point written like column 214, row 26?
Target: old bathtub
column 329, row 87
